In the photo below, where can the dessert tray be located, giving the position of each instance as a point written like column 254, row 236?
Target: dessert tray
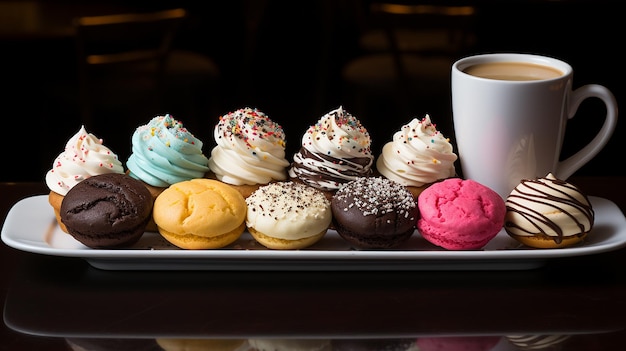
column 30, row 226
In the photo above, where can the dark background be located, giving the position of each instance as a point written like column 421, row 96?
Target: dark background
column 285, row 58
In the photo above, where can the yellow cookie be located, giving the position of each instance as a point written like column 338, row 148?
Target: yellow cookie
column 200, row 214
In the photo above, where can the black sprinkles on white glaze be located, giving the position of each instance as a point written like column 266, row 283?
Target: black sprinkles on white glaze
column 281, row 198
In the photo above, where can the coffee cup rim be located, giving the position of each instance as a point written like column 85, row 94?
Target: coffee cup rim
column 463, row 63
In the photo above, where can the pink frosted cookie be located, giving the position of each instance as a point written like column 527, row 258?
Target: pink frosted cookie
column 459, row 214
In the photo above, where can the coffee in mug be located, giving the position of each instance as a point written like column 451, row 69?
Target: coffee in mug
column 513, row 71
column 510, row 113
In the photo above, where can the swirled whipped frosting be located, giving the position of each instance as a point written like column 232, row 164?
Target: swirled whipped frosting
column 548, row 207
column 84, row 156
column 250, row 149
column 334, row 151
column 417, row 155
column 164, row 152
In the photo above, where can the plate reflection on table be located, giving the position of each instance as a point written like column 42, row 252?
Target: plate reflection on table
column 518, row 342
column 69, row 299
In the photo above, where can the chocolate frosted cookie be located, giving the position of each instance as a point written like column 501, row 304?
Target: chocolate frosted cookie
column 374, row 212
column 107, row 210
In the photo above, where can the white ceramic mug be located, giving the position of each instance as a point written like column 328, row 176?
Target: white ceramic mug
column 510, row 119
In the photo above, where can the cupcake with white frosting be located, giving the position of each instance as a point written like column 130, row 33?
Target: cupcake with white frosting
column 84, row 156
column 417, row 156
column 250, row 150
column 334, row 151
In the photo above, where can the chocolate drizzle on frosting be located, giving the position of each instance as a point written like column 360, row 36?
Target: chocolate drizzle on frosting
column 315, row 172
column 548, row 207
column 334, row 151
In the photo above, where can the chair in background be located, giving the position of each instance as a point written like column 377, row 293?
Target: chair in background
column 407, row 51
column 129, row 61
column 129, row 70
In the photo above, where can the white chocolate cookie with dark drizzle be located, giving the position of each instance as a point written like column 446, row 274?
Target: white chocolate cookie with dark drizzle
column 548, row 213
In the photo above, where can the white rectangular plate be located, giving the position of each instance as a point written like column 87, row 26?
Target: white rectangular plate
column 31, row 226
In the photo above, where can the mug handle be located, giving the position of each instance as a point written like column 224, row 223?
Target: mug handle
column 570, row 165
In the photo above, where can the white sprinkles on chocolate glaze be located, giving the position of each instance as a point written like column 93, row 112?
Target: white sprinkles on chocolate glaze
column 375, row 196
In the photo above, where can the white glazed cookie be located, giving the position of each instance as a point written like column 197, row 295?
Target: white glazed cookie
column 287, row 215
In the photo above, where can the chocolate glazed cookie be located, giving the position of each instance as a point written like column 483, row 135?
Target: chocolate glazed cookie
column 107, row 211
column 374, row 213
